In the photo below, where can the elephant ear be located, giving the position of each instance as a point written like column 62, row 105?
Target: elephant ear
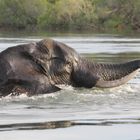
column 42, row 68
column 47, row 88
column 36, row 62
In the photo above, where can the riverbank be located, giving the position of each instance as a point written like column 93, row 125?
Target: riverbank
column 98, row 16
column 10, row 32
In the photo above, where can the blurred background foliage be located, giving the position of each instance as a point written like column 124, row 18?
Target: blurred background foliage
column 79, row 15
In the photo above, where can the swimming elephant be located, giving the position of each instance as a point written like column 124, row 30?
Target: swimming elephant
column 37, row 68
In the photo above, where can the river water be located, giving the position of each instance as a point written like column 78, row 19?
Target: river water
column 78, row 114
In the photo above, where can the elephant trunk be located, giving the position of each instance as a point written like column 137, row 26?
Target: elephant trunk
column 89, row 74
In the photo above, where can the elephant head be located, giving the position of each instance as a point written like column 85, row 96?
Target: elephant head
column 63, row 65
column 57, row 60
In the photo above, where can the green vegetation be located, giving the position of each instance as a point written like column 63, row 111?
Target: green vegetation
column 94, row 15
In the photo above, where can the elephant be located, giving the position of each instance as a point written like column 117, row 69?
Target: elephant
column 39, row 67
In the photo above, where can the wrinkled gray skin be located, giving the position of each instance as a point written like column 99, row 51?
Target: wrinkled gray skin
column 38, row 68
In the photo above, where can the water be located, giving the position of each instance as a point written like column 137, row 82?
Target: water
column 78, row 113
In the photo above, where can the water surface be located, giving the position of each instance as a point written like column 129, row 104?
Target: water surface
column 78, row 113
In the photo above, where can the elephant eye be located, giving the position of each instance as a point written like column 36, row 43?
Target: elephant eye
column 69, row 63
